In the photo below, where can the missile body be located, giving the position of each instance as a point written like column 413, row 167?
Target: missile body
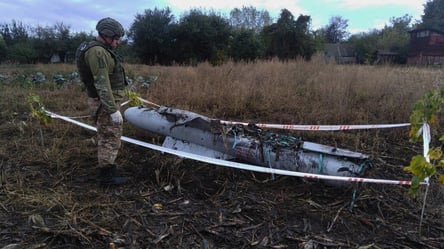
column 191, row 132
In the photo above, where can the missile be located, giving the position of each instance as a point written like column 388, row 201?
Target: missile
column 194, row 133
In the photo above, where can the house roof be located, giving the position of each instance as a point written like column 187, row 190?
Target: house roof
column 339, row 49
column 426, row 29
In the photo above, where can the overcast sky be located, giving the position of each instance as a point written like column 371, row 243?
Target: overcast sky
column 82, row 15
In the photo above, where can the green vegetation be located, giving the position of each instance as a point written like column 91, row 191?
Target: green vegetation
column 425, row 111
column 433, row 15
column 292, row 93
column 38, row 110
column 157, row 37
column 46, row 201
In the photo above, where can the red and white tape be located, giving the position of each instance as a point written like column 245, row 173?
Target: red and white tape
column 235, row 164
column 301, row 127
column 320, row 127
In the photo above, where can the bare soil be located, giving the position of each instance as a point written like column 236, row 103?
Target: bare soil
column 49, row 200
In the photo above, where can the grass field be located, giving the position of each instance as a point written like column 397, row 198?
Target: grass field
column 44, row 206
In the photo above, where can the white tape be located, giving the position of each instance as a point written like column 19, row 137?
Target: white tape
column 301, row 127
column 321, row 127
column 235, row 164
column 426, row 137
column 143, row 100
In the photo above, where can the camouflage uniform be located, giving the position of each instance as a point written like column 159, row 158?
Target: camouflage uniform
column 102, row 65
column 104, row 77
column 102, row 73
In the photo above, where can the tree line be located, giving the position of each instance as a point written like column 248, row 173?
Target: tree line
column 248, row 34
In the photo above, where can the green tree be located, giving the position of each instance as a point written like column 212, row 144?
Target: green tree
column 336, row 30
column 3, row 49
column 6, row 34
column 289, row 38
column 44, row 42
column 51, row 40
column 249, row 18
column 395, row 37
column 15, row 35
column 319, row 39
column 365, row 45
column 14, row 32
column 23, row 52
column 202, row 37
column 151, row 35
column 433, row 17
column 245, row 45
column 16, row 38
column 62, row 40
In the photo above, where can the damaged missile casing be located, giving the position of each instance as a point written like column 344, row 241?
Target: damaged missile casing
column 190, row 132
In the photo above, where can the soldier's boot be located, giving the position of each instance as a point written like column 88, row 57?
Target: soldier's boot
column 108, row 175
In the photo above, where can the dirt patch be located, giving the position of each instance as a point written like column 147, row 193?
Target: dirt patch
column 48, row 200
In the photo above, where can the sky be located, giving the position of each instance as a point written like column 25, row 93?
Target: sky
column 82, row 15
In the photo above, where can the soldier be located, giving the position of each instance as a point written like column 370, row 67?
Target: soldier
column 101, row 71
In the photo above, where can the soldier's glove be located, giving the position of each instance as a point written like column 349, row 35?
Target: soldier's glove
column 116, row 117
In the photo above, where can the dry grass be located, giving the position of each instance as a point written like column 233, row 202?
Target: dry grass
column 302, row 92
column 295, row 92
column 37, row 170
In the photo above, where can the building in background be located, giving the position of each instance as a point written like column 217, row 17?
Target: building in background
column 341, row 53
column 426, row 47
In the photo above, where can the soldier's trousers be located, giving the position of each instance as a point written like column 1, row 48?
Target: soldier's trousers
column 108, row 139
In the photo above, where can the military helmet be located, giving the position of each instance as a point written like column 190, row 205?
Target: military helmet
column 110, row 27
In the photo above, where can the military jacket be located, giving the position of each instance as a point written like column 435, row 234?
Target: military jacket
column 101, row 71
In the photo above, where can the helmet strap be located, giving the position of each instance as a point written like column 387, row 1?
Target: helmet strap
column 105, row 40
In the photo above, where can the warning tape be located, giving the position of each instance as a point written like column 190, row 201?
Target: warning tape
column 143, row 100
column 320, row 127
column 301, row 127
column 236, row 164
